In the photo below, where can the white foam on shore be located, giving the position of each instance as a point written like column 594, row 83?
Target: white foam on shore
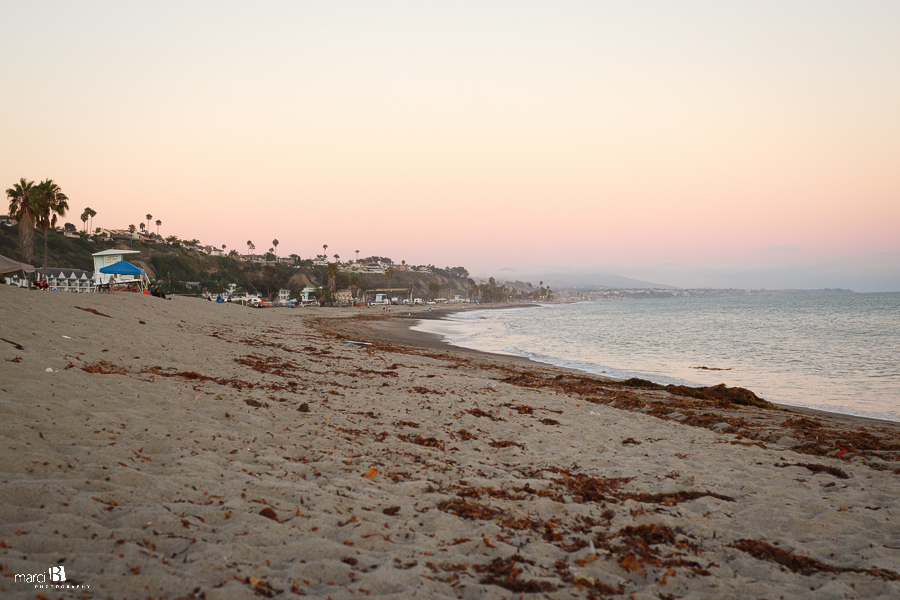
column 461, row 329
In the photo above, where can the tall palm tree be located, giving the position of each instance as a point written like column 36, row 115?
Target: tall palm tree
column 21, row 206
column 325, row 251
column 149, row 216
column 275, row 247
column 354, row 284
column 250, row 247
column 331, row 272
column 337, row 259
column 143, row 227
column 390, row 273
column 473, row 287
column 158, row 223
column 131, row 228
column 49, row 203
column 84, row 219
column 357, row 256
column 91, row 213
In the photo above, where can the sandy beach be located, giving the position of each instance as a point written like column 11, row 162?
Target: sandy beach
column 186, row 449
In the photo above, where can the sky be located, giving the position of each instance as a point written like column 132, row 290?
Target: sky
column 719, row 144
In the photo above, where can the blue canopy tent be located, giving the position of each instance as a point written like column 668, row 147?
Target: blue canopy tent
column 123, row 267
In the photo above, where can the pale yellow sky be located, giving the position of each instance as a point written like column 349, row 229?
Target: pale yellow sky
column 485, row 134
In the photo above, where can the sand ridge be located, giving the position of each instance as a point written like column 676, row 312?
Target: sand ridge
column 186, row 449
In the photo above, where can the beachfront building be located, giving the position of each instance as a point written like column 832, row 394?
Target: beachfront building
column 284, row 295
column 18, row 280
column 67, row 280
column 307, row 296
column 111, row 257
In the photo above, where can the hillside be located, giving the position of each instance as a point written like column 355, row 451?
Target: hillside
column 184, row 270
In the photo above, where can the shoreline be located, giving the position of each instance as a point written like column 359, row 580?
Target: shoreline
column 402, row 333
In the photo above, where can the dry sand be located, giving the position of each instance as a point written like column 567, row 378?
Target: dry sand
column 167, row 454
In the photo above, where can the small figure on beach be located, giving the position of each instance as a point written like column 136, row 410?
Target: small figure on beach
column 155, row 291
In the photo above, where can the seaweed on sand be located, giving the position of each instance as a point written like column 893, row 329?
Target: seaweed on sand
column 591, row 489
column 503, row 572
column 719, row 393
column 817, row 469
column 467, row 510
column 430, row 442
column 804, row 564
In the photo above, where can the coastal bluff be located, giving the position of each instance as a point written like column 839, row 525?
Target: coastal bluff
column 186, row 449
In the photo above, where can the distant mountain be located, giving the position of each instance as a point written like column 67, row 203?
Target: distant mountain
column 577, row 277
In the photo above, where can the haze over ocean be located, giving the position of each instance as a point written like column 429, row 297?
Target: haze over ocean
column 829, row 351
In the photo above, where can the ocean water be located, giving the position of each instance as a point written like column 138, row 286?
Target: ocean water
column 836, row 352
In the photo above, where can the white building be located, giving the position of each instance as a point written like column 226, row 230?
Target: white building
column 110, row 257
column 305, row 296
column 68, row 280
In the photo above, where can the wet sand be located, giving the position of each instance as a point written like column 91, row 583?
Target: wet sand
column 187, row 449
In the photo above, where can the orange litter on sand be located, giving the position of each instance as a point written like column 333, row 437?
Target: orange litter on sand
column 372, row 473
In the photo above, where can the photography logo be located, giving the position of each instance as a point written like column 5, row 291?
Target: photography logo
column 54, row 578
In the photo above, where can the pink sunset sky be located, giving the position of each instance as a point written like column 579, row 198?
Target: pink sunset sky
column 693, row 143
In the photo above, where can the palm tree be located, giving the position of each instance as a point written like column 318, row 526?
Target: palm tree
column 337, row 259
column 331, row 272
column 325, row 251
column 93, row 214
column 84, row 219
column 49, row 203
column 131, row 228
column 473, row 287
column 158, row 223
column 389, row 272
column 149, row 216
column 357, row 256
column 354, row 285
column 275, row 244
column 21, row 206
column 143, row 227
column 434, row 287
column 250, row 248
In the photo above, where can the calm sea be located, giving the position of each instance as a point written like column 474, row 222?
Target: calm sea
column 837, row 352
